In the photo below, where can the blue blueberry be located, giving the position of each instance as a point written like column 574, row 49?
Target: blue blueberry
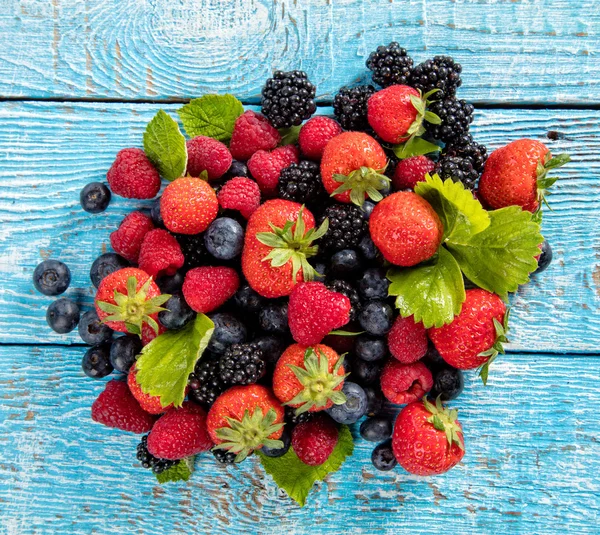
column 248, row 300
column 321, row 271
column 376, row 317
column 432, row 359
column 228, row 330
column 376, row 429
column 237, row 169
column 367, row 209
column 178, row 313
column 62, row 315
column 448, row 382
column 96, row 362
column 51, row 277
column 272, row 347
column 370, row 348
column 367, row 248
column 92, row 330
column 345, row 263
column 104, row 265
column 354, row 408
column 375, row 399
column 278, row 452
column 224, row 238
column 545, row 257
column 155, row 214
column 365, row 373
column 383, row 457
column 373, row 284
column 273, row 318
column 94, row 197
column 123, row 352
column 171, row 284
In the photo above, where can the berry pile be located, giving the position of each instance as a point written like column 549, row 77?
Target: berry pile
column 285, row 286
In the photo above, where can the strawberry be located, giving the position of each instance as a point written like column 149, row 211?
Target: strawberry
column 266, row 167
column 160, row 254
column 149, row 403
column 188, row 205
column 206, row 288
column 314, row 441
column 314, row 311
column 315, row 134
column 516, row 174
column 405, row 383
column 180, row 433
column 127, row 299
column 474, row 337
column 405, row 228
column 410, row 171
column 252, row 132
column 309, row 378
column 246, row 418
column 277, row 244
column 149, row 334
column 352, row 168
column 427, row 439
column 407, row 340
column 116, row 407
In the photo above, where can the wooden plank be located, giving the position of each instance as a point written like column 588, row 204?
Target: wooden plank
column 519, row 52
column 531, row 466
column 50, row 151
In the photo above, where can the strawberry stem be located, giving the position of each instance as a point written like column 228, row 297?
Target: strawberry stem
column 497, row 348
column 445, row 420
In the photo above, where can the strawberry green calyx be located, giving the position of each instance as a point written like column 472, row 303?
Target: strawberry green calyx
column 134, row 309
column 294, row 245
column 497, row 348
column 318, row 382
column 544, row 182
column 249, row 434
column 445, row 420
column 420, row 104
column 361, row 182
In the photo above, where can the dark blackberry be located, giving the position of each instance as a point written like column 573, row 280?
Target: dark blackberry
column 193, row 249
column 441, row 73
column 347, row 226
column 149, row 461
column 466, row 147
column 205, row 383
column 458, row 169
column 350, row 107
column 293, row 419
column 241, row 364
column 301, row 182
column 456, row 116
column 288, row 98
column 345, row 288
column 390, row 65
column 224, row 456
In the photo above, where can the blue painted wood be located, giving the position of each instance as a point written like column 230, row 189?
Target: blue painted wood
column 512, row 51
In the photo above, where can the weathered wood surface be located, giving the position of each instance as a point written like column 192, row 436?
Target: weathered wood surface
column 517, row 51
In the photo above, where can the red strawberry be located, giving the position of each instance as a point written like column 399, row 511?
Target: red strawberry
column 274, row 261
column 405, row 383
column 127, row 239
column 206, row 288
column 407, row 340
column 428, row 439
column 180, row 433
column 315, row 134
column 240, row 193
column 474, row 337
column 188, row 205
column 207, row 154
column 309, row 378
column 266, row 167
column 116, row 407
column 133, row 176
column 516, row 175
column 314, row 311
column 246, row 418
column 352, row 167
column 127, row 299
column 405, row 228
column 314, row 441
column 252, row 132
column 149, row 403
column 410, row 171
column 160, row 254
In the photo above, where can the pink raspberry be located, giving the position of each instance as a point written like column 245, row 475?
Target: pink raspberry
column 207, row 154
column 240, row 193
column 266, row 166
column 133, row 176
column 206, row 288
column 407, row 340
column 405, row 383
column 127, row 239
column 315, row 134
column 160, row 254
column 410, row 171
column 252, row 132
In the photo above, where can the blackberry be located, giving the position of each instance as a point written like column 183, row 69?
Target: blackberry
column 441, row 73
column 193, row 249
column 293, row 419
column 458, row 169
column 301, row 182
column 149, row 461
column 288, row 98
column 456, row 116
column 390, row 65
column 466, row 147
column 350, row 107
column 347, row 226
column 345, row 288
column 205, row 383
column 224, row 456
column 241, row 364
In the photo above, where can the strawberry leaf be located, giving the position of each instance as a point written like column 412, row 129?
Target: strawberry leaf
column 182, row 471
column 297, row 478
column 289, row 136
column 414, row 146
column 165, row 147
column 211, row 115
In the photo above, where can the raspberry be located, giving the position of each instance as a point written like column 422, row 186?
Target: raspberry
column 133, row 176
column 288, row 98
column 252, row 132
column 127, row 239
column 116, row 407
column 266, row 166
column 207, row 154
column 390, row 65
column 242, row 194
column 160, row 254
column 345, row 288
column 149, row 403
column 410, row 171
column 315, row 134
column 405, row 383
column 314, row 441
column 407, row 340
column 207, row 288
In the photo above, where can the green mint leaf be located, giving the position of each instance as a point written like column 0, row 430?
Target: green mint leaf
column 289, row 136
column 211, row 115
column 164, row 145
column 501, row 257
column 297, row 478
column 344, row 333
column 166, row 363
column 432, row 292
column 461, row 214
column 414, row 146
column 182, row 471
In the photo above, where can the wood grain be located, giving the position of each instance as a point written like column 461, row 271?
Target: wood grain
column 538, row 51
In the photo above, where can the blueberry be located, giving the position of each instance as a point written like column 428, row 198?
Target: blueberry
column 376, row 317
column 367, row 209
column 272, row 347
column 123, row 352
column 92, row 330
column 155, row 214
column 96, row 362
column 367, row 248
column 545, row 257
column 248, row 300
column 321, row 271
column 432, row 359
column 345, row 263
column 104, row 265
column 365, row 373
column 237, row 169
column 383, row 457
column 373, row 284
column 376, row 429
column 224, row 238
column 62, row 315
column 228, row 330
column 94, row 197
column 278, row 452
column 354, row 408
column 178, row 313
column 447, row 382
column 171, row 284
column 370, row 348
column 273, row 318
column 51, row 277
column 375, row 399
